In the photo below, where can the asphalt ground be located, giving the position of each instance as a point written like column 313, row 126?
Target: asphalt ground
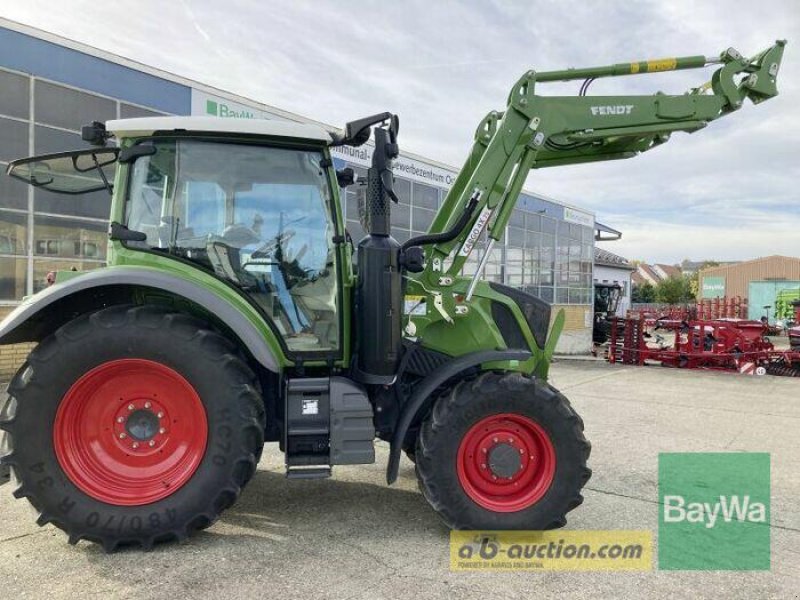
column 353, row 537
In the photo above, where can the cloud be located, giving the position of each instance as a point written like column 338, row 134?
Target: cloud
column 726, row 192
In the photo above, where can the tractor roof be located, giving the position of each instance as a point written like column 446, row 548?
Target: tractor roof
column 148, row 125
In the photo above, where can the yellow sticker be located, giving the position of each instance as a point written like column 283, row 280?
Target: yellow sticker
column 634, row 67
column 414, row 305
column 662, row 64
column 564, row 550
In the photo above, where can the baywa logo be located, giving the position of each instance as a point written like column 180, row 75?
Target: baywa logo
column 729, row 508
column 714, row 511
column 220, row 109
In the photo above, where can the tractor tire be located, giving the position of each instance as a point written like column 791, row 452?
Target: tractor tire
column 132, row 426
column 502, row 451
column 783, row 369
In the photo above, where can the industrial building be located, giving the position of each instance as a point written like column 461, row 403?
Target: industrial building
column 769, row 284
column 52, row 86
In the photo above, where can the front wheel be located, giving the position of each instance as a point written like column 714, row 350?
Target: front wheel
column 502, row 451
column 132, row 425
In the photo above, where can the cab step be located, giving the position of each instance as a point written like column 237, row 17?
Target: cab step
column 308, row 472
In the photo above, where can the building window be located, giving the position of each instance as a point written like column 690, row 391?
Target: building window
column 13, row 139
column 16, row 94
column 69, row 232
column 426, row 196
column 13, row 193
column 13, row 278
column 68, row 108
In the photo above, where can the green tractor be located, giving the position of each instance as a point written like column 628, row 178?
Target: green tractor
column 232, row 313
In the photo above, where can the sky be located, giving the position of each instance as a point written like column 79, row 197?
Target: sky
column 728, row 192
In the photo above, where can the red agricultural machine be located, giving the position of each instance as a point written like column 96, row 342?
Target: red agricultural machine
column 724, row 344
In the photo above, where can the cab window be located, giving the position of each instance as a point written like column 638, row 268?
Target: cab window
column 257, row 216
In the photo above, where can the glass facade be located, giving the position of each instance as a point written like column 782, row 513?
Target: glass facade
column 547, row 257
column 41, row 231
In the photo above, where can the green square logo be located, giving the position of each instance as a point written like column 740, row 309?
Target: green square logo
column 714, row 511
column 211, row 108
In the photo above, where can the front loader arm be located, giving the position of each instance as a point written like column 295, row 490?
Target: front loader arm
column 543, row 131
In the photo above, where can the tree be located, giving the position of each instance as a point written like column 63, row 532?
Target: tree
column 643, row 293
column 675, row 290
column 694, row 278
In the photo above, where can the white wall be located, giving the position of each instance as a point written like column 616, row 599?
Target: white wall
column 604, row 274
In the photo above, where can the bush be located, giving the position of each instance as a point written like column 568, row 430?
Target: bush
column 675, row 290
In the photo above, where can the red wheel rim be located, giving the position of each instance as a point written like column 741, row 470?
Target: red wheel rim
column 506, row 462
column 130, row 432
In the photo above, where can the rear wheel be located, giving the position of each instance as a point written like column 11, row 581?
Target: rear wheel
column 503, row 451
column 133, row 425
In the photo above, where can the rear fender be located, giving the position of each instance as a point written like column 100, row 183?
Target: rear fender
column 41, row 314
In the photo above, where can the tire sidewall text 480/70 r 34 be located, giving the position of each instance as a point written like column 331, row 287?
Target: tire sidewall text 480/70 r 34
column 195, row 442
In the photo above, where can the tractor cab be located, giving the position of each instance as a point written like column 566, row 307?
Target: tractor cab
column 606, row 302
column 254, row 203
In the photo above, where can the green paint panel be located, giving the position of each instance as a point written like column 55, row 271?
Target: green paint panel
column 714, row 511
column 713, row 287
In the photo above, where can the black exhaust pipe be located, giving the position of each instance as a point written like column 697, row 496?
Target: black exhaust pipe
column 379, row 297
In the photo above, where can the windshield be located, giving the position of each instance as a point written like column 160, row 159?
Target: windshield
column 256, row 216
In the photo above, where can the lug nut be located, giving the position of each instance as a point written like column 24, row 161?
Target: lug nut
column 161, row 415
column 147, row 405
column 483, row 466
column 485, row 450
column 131, row 407
column 135, row 444
column 494, row 477
column 162, row 431
column 120, row 419
column 151, row 443
column 122, row 436
column 521, row 451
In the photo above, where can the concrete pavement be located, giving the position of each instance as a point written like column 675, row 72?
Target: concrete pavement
column 353, row 537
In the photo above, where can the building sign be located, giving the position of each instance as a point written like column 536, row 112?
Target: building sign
column 713, row 287
column 572, row 215
column 403, row 166
column 210, row 105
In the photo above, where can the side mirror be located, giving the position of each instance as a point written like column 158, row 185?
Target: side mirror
column 95, row 133
column 357, row 132
column 394, row 128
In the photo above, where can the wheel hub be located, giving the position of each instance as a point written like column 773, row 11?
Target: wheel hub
column 130, row 432
column 142, row 425
column 506, row 462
